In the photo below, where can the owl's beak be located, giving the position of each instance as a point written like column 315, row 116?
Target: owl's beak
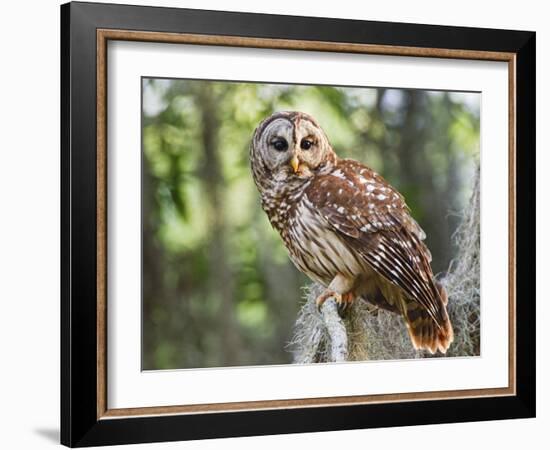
column 295, row 163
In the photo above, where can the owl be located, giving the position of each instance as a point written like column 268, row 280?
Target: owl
column 346, row 227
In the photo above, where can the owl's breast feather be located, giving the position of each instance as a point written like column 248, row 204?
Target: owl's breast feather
column 316, row 249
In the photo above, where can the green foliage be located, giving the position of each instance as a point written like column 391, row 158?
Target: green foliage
column 218, row 287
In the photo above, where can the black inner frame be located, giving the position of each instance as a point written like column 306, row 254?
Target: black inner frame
column 79, row 423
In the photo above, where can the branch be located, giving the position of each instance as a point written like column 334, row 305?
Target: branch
column 320, row 336
column 336, row 330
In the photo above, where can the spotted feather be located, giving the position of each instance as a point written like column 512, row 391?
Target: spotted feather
column 373, row 218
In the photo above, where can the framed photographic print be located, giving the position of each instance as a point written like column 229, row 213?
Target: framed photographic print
column 277, row 224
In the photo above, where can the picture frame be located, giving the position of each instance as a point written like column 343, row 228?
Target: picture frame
column 86, row 30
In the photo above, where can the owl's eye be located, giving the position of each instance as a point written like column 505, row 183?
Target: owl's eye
column 280, row 145
column 306, row 144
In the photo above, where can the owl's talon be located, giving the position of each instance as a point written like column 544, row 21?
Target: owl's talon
column 342, row 309
column 345, row 302
column 319, row 301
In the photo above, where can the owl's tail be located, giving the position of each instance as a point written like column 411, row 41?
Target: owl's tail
column 425, row 332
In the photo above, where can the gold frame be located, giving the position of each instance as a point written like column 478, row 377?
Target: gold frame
column 103, row 36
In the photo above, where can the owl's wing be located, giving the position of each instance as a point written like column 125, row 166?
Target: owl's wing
column 373, row 218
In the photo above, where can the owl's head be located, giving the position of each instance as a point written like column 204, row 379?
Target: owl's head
column 289, row 146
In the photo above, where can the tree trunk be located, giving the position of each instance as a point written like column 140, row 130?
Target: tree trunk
column 221, row 277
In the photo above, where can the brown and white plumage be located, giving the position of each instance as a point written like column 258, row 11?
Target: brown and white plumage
column 346, row 228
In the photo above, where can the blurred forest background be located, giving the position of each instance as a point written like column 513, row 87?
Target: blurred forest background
column 218, row 287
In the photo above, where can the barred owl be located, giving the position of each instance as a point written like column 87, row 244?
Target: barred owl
column 346, row 227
